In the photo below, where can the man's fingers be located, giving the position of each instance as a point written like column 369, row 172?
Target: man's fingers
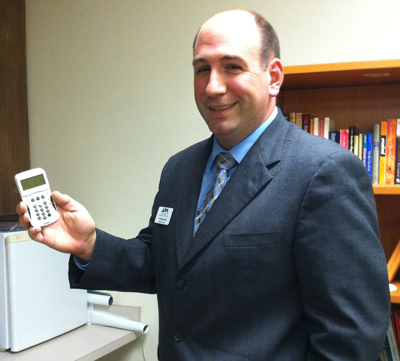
column 20, row 208
column 35, row 234
column 64, row 201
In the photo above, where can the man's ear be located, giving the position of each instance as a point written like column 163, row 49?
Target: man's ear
column 275, row 70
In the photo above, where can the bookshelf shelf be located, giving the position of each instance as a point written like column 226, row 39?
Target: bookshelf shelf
column 387, row 189
column 395, row 295
column 342, row 74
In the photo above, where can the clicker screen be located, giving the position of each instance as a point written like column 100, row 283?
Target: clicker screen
column 36, row 181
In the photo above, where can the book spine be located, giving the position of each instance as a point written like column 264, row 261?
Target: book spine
column 334, row 136
column 351, row 138
column 292, row 117
column 364, row 154
column 397, row 160
column 329, row 125
column 356, row 145
column 390, row 150
column 382, row 158
column 360, row 146
column 392, row 342
column 299, row 120
column 344, row 138
column 321, row 127
column 306, row 123
column 316, row 125
column 375, row 153
column 369, row 154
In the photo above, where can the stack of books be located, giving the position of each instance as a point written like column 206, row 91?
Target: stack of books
column 319, row 126
column 379, row 150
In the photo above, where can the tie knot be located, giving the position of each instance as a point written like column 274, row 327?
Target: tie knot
column 225, row 161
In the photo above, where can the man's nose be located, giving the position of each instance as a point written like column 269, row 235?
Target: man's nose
column 216, row 85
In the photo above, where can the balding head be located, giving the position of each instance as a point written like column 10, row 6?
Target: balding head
column 269, row 42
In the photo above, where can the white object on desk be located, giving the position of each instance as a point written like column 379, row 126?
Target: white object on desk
column 36, row 302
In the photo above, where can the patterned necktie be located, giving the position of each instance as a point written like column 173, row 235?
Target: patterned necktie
column 225, row 162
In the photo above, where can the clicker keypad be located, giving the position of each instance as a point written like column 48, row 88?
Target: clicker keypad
column 41, row 208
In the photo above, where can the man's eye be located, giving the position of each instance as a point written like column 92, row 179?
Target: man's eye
column 202, row 70
column 234, row 67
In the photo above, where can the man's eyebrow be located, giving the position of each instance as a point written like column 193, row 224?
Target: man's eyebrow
column 200, row 59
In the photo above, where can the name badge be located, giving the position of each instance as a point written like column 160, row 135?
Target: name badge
column 164, row 215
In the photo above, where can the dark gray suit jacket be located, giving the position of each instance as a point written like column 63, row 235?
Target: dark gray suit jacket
column 287, row 265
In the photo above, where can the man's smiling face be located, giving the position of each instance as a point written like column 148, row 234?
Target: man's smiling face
column 230, row 84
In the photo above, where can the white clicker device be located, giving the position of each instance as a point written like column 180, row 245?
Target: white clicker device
column 34, row 188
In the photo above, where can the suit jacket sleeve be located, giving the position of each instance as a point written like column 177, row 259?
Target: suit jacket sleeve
column 117, row 264
column 340, row 263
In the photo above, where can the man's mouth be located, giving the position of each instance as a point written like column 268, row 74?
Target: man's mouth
column 222, row 107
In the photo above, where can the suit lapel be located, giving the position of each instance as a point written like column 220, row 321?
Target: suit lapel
column 193, row 169
column 254, row 172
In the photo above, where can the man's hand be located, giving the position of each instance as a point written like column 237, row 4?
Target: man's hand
column 74, row 232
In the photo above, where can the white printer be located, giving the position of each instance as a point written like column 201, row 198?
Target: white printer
column 36, row 303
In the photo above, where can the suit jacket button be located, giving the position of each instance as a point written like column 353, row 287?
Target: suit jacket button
column 180, row 284
column 178, row 336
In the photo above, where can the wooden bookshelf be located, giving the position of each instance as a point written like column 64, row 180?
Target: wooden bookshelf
column 359, row 94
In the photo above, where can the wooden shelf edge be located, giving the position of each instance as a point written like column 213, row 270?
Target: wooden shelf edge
column 341, row 74
column 334, row 67
column 395, row 295
column 387, row 189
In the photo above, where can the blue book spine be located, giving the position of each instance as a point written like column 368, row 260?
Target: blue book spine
column 364, row 150
column 334, row 136
column 369, row 154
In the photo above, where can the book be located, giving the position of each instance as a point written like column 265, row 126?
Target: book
column 316, row 126
column 306, row 120
column 360, row 145
column 392, row 342
column 353, row 132
column 292, row 117
column 311, row 125
column 395, row 326
column 334, row 136
column 321, row 126
column 329, row 125
column 390, row 150
column 356, row 138
column 344, row 138
column 382, row 157
column 375, row 153
column 397, row 160
column 394, row 262
column 369, row 154
column 299, row 120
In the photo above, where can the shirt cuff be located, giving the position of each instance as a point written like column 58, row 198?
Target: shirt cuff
column 80, row 263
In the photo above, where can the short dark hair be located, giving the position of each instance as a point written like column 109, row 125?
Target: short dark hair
column 269, row 38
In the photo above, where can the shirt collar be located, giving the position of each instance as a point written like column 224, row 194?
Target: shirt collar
column 240, row 150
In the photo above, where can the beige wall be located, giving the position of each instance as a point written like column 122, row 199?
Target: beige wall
column 111, row 99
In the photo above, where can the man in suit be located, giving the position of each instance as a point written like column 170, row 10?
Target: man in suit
column 281, row 260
